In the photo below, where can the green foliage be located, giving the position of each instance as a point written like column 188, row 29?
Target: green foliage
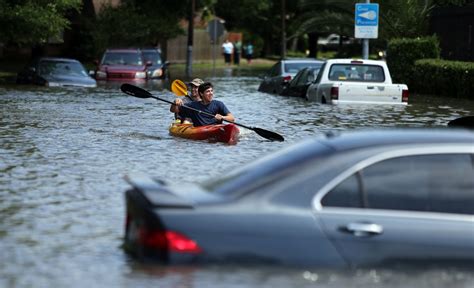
column 442, row 77
column 404, row 18
column 138, row 23
column 34, row 21
column 402, row 54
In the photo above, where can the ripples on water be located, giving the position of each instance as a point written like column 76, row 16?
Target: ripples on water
column 63, row 154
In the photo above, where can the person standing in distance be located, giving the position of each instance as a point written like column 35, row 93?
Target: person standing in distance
column 208, row 105
column 227, row 50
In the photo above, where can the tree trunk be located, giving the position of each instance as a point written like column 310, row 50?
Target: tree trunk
column 313, row 45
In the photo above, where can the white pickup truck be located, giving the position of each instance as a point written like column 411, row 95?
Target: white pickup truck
column 356, row 81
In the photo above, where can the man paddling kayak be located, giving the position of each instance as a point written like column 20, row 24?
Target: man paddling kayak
column 207, row 105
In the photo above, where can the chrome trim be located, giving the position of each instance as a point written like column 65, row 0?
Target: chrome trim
column 399, row 152
column 363, row 213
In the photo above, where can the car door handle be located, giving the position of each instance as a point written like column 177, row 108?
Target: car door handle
column 362, row 229
column 370, row 87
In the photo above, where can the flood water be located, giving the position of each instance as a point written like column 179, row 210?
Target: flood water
column 64, row 153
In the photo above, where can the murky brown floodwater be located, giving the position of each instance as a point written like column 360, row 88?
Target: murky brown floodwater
column 64, row 152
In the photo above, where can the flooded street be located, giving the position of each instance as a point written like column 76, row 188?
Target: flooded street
column 64, row 153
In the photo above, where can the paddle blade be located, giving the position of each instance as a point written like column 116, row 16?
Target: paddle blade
column 272, row 136
column 179, row 88
column 466, row 122
column 135, row 91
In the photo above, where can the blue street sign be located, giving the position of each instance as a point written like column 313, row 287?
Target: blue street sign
column 366, row 20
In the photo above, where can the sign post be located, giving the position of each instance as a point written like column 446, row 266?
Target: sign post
column 215, row 28
column 366, row 24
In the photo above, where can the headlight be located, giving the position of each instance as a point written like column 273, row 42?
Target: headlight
column 52, row 84
column 140, row 75
column 100, row 75
column 157, row 73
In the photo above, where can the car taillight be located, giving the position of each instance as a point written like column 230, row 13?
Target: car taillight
column 287, row 78
column 334, row 93
column 405, row 95
column 168, row 240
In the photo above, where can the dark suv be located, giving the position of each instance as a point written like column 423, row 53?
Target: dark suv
column 122, row 64
column 157, row 69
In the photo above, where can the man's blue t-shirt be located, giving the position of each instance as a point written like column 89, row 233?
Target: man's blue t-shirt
column 200, row 119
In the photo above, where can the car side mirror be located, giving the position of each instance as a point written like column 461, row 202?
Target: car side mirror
column 166, row 64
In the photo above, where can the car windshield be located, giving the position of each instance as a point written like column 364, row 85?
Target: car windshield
column 122, row 58
column 297, row 66
column 152, row 56
column 47, row 67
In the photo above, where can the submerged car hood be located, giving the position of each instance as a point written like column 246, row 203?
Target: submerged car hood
column 67, row 80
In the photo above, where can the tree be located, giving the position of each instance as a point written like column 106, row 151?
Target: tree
column 138, row 23
column 33, row 22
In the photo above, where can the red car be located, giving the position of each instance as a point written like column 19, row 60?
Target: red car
column 122, row 64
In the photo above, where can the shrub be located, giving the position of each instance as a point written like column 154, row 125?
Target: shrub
column 402, row 54
column 442, row 77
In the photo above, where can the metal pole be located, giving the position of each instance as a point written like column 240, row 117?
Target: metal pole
column 365, row 44
column 214, row 49
column 189, row 54
column 283, row 30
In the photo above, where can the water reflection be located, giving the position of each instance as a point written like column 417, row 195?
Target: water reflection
column 63, row 153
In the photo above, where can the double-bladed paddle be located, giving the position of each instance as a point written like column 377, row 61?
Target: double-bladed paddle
column 142, row 93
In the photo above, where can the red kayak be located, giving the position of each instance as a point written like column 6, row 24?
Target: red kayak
column 226, row 133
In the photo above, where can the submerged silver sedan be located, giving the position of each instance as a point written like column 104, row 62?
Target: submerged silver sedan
column 349, row 199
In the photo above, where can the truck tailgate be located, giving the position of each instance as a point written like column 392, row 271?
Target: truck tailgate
column 370, row 93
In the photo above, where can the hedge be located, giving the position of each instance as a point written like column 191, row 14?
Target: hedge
column 402, row 54
column 443, row 77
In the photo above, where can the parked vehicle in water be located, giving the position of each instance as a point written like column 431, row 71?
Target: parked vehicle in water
column 157, row 68
column 283, row 71
column 122, row 65
column 299, row 84
column 349, row 199
column 356, row 81
column 55, row 72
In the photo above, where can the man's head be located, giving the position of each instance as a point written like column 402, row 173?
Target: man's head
column 194, row 88
column 206, row 91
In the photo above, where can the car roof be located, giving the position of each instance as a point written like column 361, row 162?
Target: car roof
column 397, row 136
column 338, row 143
column 122, row 50
column 302, row 60
column 57, row 59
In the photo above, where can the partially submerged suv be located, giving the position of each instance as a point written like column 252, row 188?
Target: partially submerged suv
column 122, row 64
column 157, row 69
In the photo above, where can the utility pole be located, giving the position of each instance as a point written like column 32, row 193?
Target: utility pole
column 283, row 30
column 189, row 54
column 365, row 44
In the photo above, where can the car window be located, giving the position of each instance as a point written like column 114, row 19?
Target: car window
column 274, row 70
column 346, row 194
column 356, row 72
column 435, row 183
